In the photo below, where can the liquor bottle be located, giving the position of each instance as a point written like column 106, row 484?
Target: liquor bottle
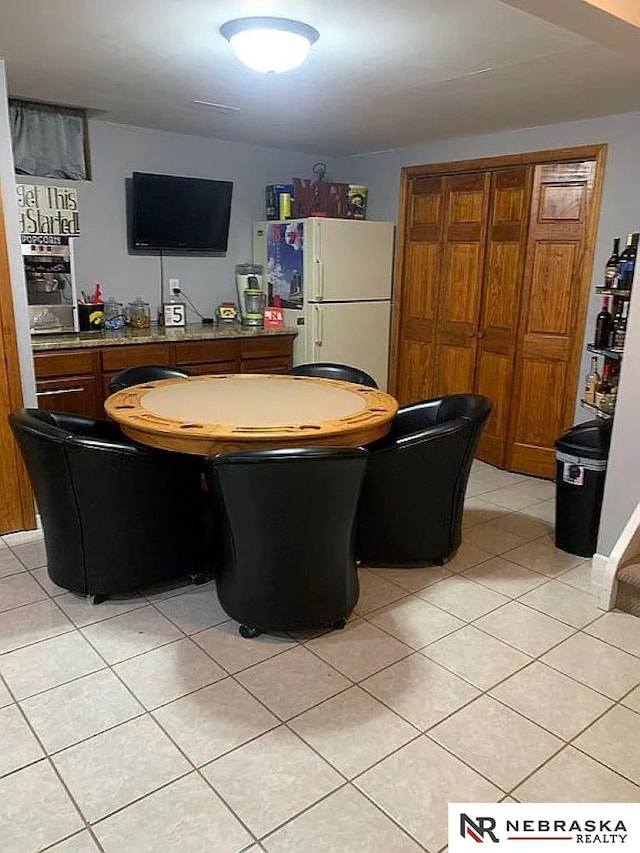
column 591, row 384
column 611, row 268
column 627, row 262
column 603, row 325
column 617, row 317
column 620, row 327
column 603, row 390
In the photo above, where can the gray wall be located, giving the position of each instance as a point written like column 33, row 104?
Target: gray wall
column 620, row 213
column 117, row 151
column 7, row 187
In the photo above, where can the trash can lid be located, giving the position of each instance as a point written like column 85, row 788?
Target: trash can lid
column 591, row 439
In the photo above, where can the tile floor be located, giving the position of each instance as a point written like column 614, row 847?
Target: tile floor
column 147, row 725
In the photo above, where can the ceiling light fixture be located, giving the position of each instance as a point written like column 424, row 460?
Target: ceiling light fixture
column 270, row 45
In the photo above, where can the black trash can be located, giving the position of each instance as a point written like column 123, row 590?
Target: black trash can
column 581, row 466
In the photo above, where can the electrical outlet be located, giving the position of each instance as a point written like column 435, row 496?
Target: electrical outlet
column 174, row 284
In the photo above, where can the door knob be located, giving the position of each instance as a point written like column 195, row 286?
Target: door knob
column 482, row 334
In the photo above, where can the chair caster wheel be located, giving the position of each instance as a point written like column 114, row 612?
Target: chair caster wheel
column 199, row 579
column 99, row 598
column 249, row 633
column 339, row 624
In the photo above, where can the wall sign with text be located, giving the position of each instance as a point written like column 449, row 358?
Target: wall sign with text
column 48, row 210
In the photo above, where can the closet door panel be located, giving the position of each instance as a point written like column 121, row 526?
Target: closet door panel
column 467, row 200
column 454, row 365
column 422, row 269
column 506, row 245
column 416, row 382
column 552, row 316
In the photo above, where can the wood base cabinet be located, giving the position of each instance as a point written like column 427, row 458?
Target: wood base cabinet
column 77, row 381
column 492, row 288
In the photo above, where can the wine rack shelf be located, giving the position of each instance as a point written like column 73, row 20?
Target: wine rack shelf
column 605, row 351
column 603, row 291
column 590, row 407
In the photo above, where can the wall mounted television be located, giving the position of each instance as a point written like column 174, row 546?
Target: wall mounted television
column 179, row 214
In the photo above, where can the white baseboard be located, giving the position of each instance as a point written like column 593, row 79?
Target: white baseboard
column 603, row 580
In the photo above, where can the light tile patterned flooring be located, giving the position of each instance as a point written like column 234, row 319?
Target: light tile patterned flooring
column 148, row 725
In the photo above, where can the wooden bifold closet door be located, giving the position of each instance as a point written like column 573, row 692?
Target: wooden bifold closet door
column 491, row 293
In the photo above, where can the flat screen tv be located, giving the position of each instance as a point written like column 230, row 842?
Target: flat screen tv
column 180, row 214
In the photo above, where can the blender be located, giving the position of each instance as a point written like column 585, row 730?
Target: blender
column 252, row 299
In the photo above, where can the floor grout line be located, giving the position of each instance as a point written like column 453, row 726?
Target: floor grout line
column 171, row 740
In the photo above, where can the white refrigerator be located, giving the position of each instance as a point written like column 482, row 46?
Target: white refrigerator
column 334, row 280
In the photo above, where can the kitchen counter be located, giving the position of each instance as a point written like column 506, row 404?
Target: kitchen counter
column 154, row 334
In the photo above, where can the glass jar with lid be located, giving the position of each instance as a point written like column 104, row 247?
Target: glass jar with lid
column 139, row 313
column 113, row 314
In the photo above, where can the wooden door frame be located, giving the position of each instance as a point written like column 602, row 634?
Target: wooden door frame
column 23, row 510
column 597, row 152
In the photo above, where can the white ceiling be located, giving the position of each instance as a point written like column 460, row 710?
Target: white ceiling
column 385, row 73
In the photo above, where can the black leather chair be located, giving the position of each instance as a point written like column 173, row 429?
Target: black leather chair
column 412, row 498
column 141, row 374
column 116, row 515
column 283, row 536
column 328, row 370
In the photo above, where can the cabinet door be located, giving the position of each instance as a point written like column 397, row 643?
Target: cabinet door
column 277, row 364
column 552, row 316
column 421, row 269
column 503, row 271
column 78, row 395
column 463, row 249
column 217, row 368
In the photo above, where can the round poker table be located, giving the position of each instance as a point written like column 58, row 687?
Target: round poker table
column 216, row 414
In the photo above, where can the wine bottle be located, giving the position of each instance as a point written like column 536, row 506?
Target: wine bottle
column 592, row 381
column 631, row 263
column 603, row 325
column 617, row 317
column 620, row 328
column 611, row 268
column 627, row 262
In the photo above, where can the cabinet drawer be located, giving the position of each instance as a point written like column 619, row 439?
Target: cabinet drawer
column 215, row 369
column 266, row 365
column 119, row 357
column 77, row 395
column 266, row 347
column 66, row 363
column 207, row 352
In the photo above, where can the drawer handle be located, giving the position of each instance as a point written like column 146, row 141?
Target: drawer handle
column 60, row 391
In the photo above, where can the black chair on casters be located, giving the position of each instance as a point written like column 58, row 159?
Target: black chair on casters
column 284, row 536
column 141, row 374
column 412, row 498
column 116, row 516
column 328, row 370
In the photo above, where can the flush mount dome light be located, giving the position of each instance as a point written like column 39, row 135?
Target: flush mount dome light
column 270, row 45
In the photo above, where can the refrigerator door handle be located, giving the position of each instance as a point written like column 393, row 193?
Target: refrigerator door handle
column 319, row 269
column 317, row 341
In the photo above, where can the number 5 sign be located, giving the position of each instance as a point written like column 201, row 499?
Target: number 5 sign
column 174, row 314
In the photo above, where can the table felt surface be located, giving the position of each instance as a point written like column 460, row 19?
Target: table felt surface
column 252, row 401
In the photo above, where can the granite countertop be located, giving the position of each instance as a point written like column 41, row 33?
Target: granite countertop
column 118, row 337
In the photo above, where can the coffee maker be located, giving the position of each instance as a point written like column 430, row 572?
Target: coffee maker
column 51, row 291
column 252, row 298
